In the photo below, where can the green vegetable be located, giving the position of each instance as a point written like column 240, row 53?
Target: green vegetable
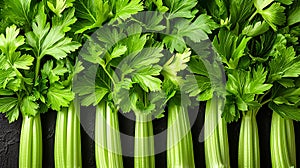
column 180, row 151
column 282, row 141
column 206, row 85
column 107, row 137
column 260, row 64
column 31, row 142
column 249, row 155
column 32, row 81
column 216, row 135
column 179, row 139
column 144, row 142
column 67, row 145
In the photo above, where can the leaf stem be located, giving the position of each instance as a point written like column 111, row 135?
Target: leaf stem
column 262, row 97
column 37, row 68
column 265, row 102
column 109, row 75
column 168, row 26
column 253, row 15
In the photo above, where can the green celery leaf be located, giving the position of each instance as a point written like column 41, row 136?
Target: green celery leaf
column 287, row 96
column 29, row 106
column 14, row 85
column 141, row 67
column 181, row 8
column 285, row 64
column 10, row 42
column 286, row 111
column 58, row 6
column 51, row 41
column 9, row 106
column 158, row 3
column 246, row 84
column 151, row 21
column 58, row 96
column 218, row 9
column 175, row 64
column 231, row 112
column 293, row 16
column 257, row 29
column 53, row 74
column 274, row 14
column 230, row 47
column 125, row 8
column 118, row 51
column 6, row 76
column 93, row 87
column 196, row 31
column 5, row 92
column 121, row 95
column 240, row 11
column 24, row 62
column 91, row 14
column 19, row 12
column 287, row 83
column 286, row 2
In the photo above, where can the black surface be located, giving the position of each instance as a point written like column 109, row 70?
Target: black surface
column 10, row 134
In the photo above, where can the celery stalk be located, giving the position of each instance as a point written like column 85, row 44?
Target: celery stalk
column 144, row 142
column 30, row 155
column 37, row 147
column 108, row 148
column 282, row 142
column 60, row 139
column 179, row 138
column 248, row 154
column 67, row 145
column 216, row 138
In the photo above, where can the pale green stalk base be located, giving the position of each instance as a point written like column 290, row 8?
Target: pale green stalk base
column 67, row 145
column 249, row 156
column 282, row 140
column 108, row 150
column 144, row 142
column 180, row 152
column 216, row 138
column 30, row 155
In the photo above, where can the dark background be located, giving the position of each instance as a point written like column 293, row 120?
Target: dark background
column 10, row 134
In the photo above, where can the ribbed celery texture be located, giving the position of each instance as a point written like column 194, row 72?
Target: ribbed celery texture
column 143, row 142
column 282, row 142
column 67, row 145
column 248, row 155
column 30, row 155
column 180, row 152
column 108, row 148
column 216, row 138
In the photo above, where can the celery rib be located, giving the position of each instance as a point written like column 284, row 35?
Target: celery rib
column 144, row 142
column 248, row 154
column 37, row 143
column 108, row 150
column 67, row 147
column 30, row 154
column 282, row 142
column 180, row 146
column 216, row 137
